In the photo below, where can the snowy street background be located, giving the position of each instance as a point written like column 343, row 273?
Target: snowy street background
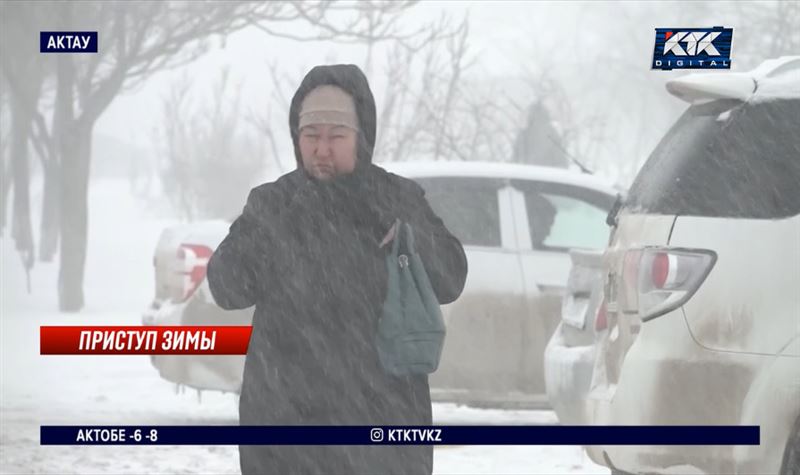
column 44, row 390
column 178, row 124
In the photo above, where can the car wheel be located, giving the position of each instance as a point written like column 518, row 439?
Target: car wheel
column 791, row 456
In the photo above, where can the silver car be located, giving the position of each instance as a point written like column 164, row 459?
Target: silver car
column 569, row 356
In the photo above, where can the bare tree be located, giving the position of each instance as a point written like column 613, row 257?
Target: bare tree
column 208, row 147
column 596, row 122
column 173, row 135
column 5, row 156
column 45, row 146
column 398, row 59
column 433, row 109
column 457, row 49
column 263, row 124
column 138, row 38
column 24, row 75
column 770, row 27
column 408, row 128
column 362, row 22
column 411, row 103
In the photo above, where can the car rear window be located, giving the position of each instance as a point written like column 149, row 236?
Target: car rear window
column 725, row 159
column 468, row 207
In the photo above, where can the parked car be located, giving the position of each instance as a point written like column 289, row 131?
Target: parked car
column 569, row 355
column 517, row 224
column 182, row 297
column 702, row 279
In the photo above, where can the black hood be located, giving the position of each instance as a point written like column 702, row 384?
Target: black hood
column 350, row 78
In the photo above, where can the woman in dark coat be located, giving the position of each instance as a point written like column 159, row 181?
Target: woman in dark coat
column 308, row 251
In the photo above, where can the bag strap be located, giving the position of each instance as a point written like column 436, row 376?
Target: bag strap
column 396, row 240
column 409, row 238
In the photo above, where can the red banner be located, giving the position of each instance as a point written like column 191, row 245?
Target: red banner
column 139, row 340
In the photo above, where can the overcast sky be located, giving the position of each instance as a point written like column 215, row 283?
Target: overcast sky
column 502, row 35
column 505, row 39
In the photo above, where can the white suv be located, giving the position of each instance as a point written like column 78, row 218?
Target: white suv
column 702, row 292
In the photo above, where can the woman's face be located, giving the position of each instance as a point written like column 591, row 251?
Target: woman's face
column 328, row 150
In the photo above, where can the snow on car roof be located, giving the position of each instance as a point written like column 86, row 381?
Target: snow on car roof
column 425, row 169
column 784, row 86
column 773, row 79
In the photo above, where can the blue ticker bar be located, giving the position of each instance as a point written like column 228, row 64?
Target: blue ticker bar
column 399, row 435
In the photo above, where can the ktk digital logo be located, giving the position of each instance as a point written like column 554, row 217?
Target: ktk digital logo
column 68, row 42
column 693, row 48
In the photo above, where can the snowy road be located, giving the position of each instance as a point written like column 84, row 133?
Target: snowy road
column 40, row 390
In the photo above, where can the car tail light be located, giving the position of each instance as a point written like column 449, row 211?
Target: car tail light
column 601, row 320
column 659, row 280
column 194, row 258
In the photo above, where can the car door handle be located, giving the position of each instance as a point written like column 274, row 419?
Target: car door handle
column 551, row 289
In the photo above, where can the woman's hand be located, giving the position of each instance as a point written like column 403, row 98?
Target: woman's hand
column 389, row 235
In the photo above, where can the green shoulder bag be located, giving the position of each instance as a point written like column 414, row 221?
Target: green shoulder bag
column 411, row 329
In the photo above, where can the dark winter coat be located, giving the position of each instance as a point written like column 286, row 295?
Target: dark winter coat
column 306, row 254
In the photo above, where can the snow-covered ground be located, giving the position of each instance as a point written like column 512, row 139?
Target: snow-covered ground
column 40, row 390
